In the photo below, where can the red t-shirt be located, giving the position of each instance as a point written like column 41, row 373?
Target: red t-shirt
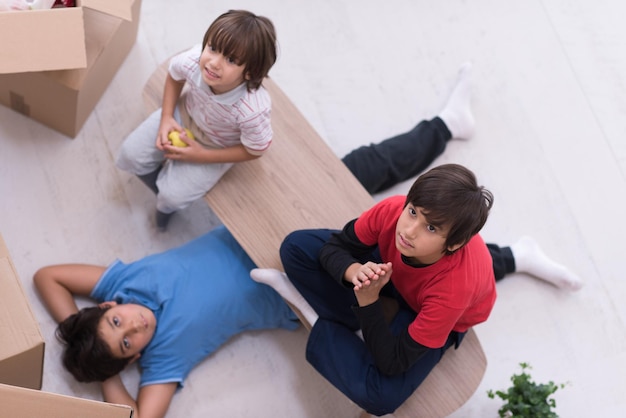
column 455, row 293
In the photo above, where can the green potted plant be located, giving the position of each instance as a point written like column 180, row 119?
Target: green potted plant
column 525, row 398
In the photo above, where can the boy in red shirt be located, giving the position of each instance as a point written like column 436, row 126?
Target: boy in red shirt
column 421, row 254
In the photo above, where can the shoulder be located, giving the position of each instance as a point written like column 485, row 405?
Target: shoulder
column 389, row 207
column 477, row 250
column 192, row 53
column 255, row 102
column 186, row 60
column 471, row 268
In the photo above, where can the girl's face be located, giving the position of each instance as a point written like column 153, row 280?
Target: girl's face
column 127, row 328
column 221, row 73
column 417, row 239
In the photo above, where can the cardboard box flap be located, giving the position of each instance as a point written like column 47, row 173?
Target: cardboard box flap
column 21, row 343
column 18, row 333
column 118, row 8
column 24, row 369
column 38, row 40
column 4, row 251
column 26, row 403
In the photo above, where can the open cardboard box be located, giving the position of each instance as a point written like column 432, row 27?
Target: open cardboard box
column 21, row 342
column 27, row 403
column 59, row 61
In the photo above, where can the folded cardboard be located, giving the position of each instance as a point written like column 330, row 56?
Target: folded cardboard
column 95, row 40
column 55, row 39
column 27, row 403
column 21, row 342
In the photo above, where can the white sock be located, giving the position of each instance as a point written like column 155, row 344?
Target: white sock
column 281, row 284
column 529, row 258
column 457, row 113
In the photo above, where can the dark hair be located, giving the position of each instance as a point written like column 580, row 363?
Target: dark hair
column 86, row 355
column 451, row 197
column 247, row 39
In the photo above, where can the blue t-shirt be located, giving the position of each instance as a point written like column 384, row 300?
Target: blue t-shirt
column 201, row 294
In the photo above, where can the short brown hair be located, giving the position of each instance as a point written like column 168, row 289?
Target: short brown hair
column 87, row 356
column 451, row 197
column 247, row 39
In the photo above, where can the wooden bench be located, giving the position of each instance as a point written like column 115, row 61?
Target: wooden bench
column 300, row 183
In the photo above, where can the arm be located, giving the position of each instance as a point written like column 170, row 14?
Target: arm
column 152, row 400
column 340, row 255
column 171, row 94
column 58, row 284
column 196, row 153
column 392, row 354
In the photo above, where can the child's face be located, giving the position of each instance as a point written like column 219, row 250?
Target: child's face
column 127, row 328
column 417, row 239
column 219, row 72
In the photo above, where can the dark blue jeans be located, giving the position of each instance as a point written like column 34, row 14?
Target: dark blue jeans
column 333, row 348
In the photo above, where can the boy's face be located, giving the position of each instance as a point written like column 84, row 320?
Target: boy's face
column 127, row 328
column 219, row 72
column 417, row 239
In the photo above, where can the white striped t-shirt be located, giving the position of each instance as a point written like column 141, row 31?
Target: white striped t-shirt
column 229, row 119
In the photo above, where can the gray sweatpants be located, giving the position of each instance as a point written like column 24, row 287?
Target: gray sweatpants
column 180, row 183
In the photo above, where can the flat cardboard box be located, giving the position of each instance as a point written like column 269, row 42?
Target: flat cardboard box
column 27, row 403
column 63, row 99
column 21, row 342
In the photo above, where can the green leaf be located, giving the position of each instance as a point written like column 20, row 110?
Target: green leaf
column 525, row 398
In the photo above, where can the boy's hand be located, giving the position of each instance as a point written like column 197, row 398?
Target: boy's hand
column 369, row 290
column 168, row 124
column 190, row 153
column 364, row 274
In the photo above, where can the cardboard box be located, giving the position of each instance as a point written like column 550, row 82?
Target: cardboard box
column 62, row 60
column 21, row 342
column 27, row 403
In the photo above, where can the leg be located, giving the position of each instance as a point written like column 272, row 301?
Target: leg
column 503, row 261
column 139, row 154
column 329, row 299
column 279, row 281
column 530, row 259
column 181, row 183
column 457, row 113
column 383, row 165
column 150, row 179
column 344, row 360
column 526, row 256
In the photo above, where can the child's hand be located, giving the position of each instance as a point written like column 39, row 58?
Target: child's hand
column 369, row 290
column 190, row 153
column 368, row 272
column 168, row 124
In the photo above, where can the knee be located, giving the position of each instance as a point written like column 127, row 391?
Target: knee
column 124, row 160
column 381, row 405
column 300, row 248
column 289, row 245
column 129, row 159
column 169, row 201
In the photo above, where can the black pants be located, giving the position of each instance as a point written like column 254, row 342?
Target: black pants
column 383, row 165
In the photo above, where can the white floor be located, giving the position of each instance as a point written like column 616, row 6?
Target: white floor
column 550, row 88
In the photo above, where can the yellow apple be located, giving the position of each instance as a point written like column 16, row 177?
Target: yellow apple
column 174, row 137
